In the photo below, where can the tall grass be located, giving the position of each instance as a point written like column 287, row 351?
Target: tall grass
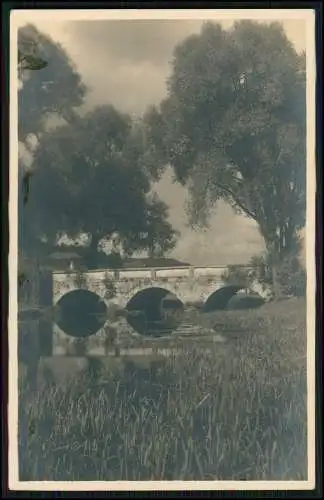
column 237, row 413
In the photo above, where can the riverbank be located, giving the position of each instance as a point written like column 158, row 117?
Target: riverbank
column 238, row 412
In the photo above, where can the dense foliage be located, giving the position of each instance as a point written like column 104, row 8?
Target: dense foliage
column 88, row 173
column 233, row 126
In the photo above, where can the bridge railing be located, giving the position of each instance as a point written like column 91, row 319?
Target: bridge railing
column 149, row 272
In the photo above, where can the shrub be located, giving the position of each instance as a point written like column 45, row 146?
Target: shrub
column 80, row 279
column 245, row 302
column 110, row 287
column 236, row 275
column 291, row 275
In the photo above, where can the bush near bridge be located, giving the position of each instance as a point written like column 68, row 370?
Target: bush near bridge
column 291, row 275
column 238, row 413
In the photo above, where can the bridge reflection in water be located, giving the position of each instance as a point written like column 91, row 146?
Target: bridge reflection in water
column 154, row 312
column 151, row 307
column 151, row 312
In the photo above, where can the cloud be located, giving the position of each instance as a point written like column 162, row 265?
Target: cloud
column 230, row 239
column 133, row 42
column 122, row 62
column 127, row 62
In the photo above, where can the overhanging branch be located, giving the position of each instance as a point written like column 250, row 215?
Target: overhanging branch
column 236, row 200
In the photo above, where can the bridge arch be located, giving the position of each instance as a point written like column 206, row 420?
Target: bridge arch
column 154, row 311
column 66, row 283
column 82, row 313
column 168, row 286
column 219, row 299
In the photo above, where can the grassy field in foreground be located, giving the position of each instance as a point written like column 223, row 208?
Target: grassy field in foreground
column 238, row 413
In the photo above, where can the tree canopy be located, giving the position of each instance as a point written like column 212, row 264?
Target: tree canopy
column 56, row 90
column 50, row 87
column 89, row 179
column 233, row 126
column 89, row 173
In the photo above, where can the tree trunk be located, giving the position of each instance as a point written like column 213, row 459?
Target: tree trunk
column 92, row 252
column 274, row 257
column 276, row 282
column 94, row 243
column 31, row 331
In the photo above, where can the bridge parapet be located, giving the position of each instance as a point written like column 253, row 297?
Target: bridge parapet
column 182, row 281
column 117, row 274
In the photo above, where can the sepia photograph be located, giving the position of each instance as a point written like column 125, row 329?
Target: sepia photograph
column 162, row 249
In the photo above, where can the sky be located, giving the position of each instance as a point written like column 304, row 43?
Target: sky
column 126, row 63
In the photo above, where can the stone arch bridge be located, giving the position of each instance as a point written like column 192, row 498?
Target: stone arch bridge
column 188, row 284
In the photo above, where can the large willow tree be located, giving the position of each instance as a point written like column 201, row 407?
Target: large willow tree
column 233, row 126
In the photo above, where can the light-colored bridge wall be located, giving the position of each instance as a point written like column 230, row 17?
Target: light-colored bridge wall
column 188, row 284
